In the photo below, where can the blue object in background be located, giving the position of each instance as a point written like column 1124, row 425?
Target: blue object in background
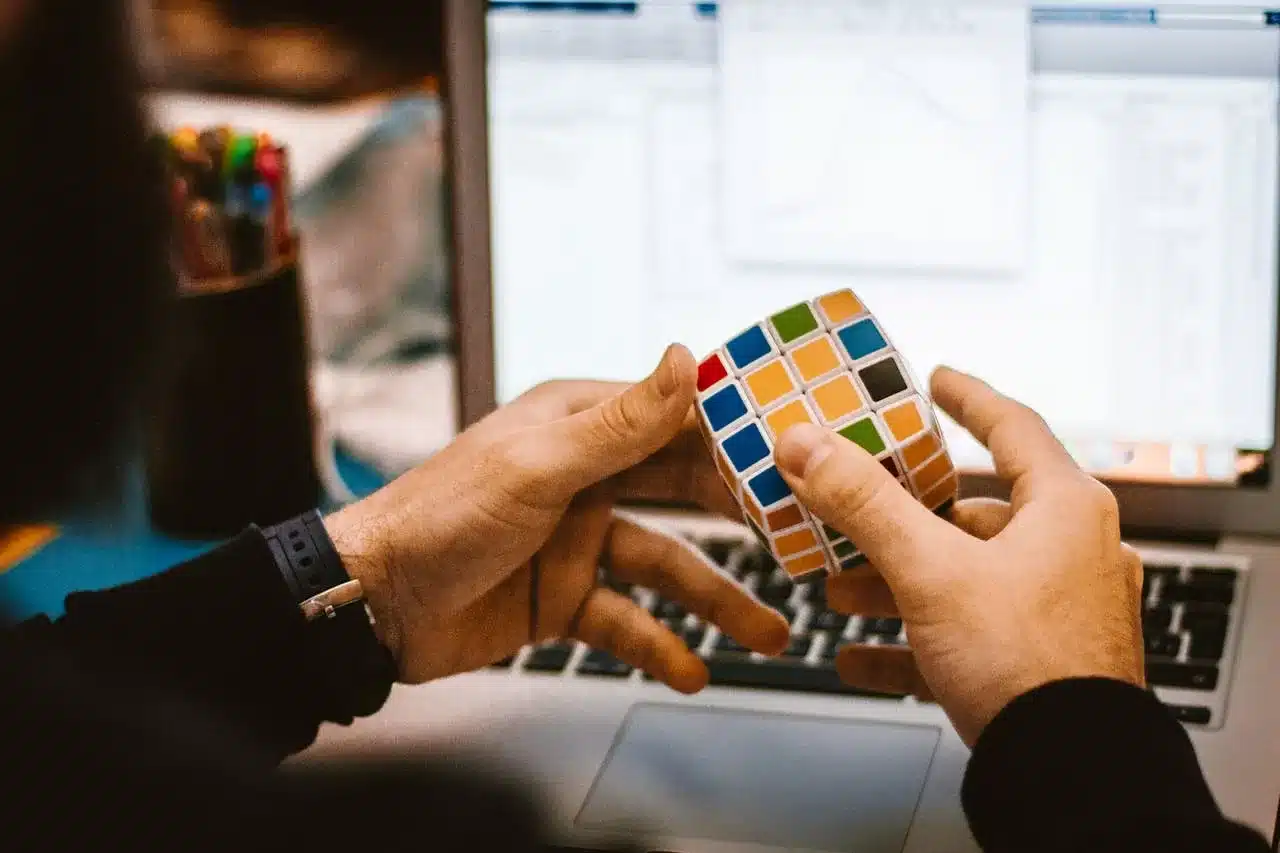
column 96, row 553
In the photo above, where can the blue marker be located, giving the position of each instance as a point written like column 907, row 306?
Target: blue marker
column 260, row 201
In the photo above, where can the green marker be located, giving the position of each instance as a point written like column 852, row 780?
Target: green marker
column 240, row 155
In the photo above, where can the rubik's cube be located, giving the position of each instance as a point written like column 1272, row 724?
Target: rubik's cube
column 828, row 362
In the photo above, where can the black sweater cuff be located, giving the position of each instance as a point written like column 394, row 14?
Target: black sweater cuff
column 1090, row 764
column 221, row 629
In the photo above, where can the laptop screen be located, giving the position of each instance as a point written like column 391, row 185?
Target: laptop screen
column 1076, row 203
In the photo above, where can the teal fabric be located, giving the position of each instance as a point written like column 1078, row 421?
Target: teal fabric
column 95, row 553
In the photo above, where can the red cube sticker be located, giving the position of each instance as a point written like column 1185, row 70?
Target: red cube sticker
column 710, row 372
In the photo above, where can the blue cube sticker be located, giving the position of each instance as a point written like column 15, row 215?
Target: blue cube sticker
column 724, row 407
column 749, row 347
column 746, row 447
column 769, row 487
column 862, row 339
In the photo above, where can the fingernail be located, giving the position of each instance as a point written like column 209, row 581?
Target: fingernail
column 802, row 448
column 668, row 377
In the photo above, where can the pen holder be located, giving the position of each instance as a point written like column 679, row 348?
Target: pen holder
column 231, row 438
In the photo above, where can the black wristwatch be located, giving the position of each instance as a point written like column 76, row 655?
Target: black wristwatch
column 354, row 670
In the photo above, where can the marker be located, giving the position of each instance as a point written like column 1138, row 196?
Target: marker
column 238, row 199
column 186, row 140
column 214, row 145
column 240, row 154
column 260, row 201
column 281, row 221
column 269, row 165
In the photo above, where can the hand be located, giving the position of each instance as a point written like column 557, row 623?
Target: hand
column 447, row 553
column 1006, row 598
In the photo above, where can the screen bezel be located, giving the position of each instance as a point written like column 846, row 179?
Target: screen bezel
column 1164, row 510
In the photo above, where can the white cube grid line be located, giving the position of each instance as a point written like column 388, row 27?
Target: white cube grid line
column 832, row 363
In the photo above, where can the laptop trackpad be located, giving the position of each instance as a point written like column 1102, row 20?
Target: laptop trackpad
column 779, row 780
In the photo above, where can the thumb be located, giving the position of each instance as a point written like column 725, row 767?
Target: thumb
column 849, row 490
column 578, row 451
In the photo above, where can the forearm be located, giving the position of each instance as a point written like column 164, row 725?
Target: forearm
column 1093, row 765
column 220, row 631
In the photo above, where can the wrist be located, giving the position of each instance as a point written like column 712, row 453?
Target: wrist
column 360, row 547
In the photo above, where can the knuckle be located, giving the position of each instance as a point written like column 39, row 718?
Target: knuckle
column 518, row 459
column 543, row 390
column 853, row 497
column 1102, row 502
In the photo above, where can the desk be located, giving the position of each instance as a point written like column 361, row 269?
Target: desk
column 95, row 553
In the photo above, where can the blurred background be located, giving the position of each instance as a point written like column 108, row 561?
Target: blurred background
column 354, row 94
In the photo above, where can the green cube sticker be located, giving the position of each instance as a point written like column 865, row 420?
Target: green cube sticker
column 794, row 323
column 844, row 549
column 865, row 435
column 833, row 535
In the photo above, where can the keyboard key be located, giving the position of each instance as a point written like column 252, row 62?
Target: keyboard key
column 603, row 664
column 669, row 610
column 815, row 592
column 1191, row 714
column 1208, row 645
column 788, row 612
column 833, row 645
column 785, row 675
column 1213, row 577
column 693, row 637
column 828, row 620
column 1157, row 620
column 883, row 628
column 1204, row 619
column 776, row 591
column 1160, row 570
column 548, row 659
column 719, row 550
column 1199, row 593
column 798, row 647
column 1190, row 676
column 1163, row 645
column 757, row 560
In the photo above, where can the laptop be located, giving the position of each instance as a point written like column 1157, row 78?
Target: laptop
column 1078, row 204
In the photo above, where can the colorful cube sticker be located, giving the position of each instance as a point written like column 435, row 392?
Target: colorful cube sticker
column 828, row 362
column 749, row 349
column 814, row 361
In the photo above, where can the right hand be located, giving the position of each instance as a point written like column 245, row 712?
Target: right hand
column 1002, row 600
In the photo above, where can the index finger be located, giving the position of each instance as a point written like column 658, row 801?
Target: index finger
column 682, row 472
column 1024, row 448
column 678, row 572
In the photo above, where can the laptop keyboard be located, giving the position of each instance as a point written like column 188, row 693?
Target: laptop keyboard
column 1188, row 613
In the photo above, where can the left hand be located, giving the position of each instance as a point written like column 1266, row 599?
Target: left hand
column 446, row 552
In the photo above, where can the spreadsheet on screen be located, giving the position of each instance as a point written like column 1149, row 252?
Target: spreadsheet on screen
column 1077, row 204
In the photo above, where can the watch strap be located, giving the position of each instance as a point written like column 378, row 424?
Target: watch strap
column 306, row 556
column 351, row 667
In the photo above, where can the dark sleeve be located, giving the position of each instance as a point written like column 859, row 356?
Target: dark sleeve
column 1097, row 765
column 150, row 716
column 220, row 631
